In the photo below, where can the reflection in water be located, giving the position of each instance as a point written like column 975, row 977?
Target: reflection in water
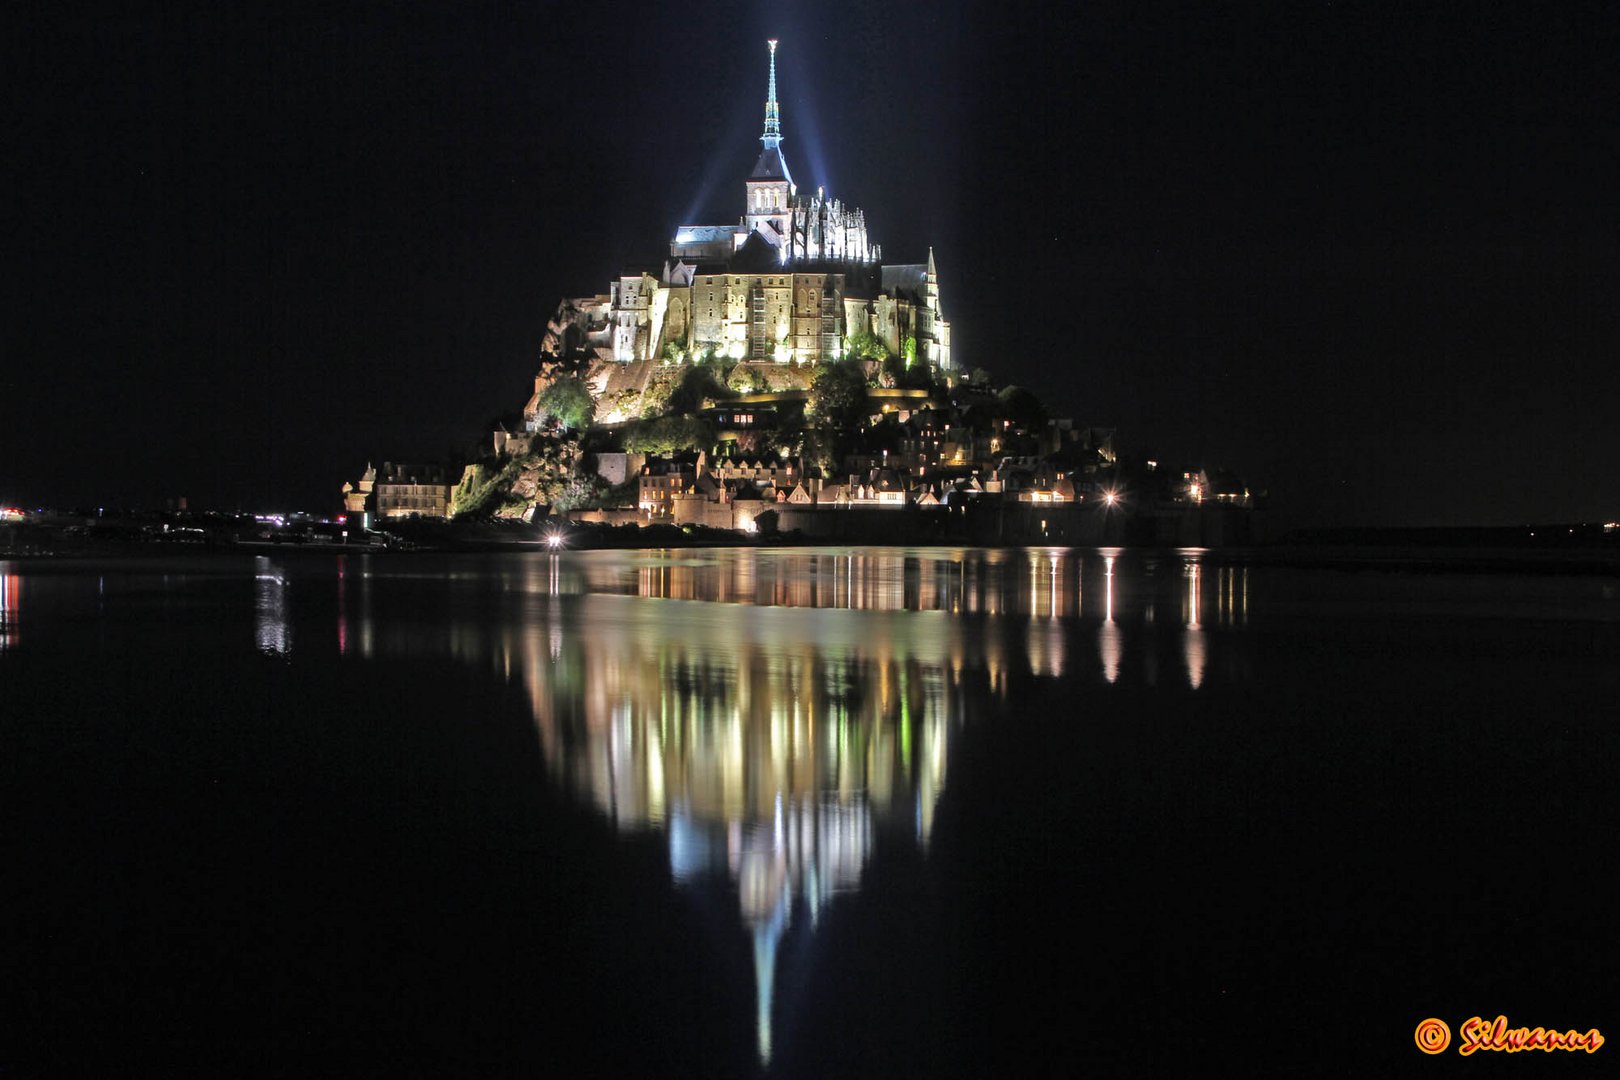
column 10, row 608
column 1037, row 583
column 1195, row 644
column 274, row 631
column 342, row 605
column 771, row 744
column 780, row 758
column 1108, row 643
column 1052, row 581
column 1232, row 595
column 772, row 714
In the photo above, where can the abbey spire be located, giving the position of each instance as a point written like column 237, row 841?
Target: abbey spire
column 770, row 185
column 771, row 166
column 773, row 114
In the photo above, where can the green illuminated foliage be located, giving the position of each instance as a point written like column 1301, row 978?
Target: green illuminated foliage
column 667, row 435
column 568, row 402
column 865, row 345
column 746, row 379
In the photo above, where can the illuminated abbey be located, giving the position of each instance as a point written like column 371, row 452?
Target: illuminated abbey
column 790, row 282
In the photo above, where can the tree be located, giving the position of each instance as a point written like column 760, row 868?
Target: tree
column 654, row 399
column 865, row 345
column 1017, row 403
column 838, row 394
column 910, row 376
column 579, row 491
column 699, row 381
column 746, row 380
column 667, row 434
column 820, row 449
column 568, row 401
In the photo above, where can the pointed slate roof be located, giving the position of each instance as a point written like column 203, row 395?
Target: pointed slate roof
column 771, row 165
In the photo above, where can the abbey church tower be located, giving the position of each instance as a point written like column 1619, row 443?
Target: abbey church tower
column 770, row 185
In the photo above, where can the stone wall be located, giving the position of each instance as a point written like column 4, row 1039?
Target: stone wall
column 703, row 512
column 616, row 468
column 603, row 517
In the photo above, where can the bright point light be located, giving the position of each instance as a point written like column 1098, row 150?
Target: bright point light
column 554, row 541
column 1110, row 498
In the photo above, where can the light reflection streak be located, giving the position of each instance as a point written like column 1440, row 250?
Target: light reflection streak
column 10, row 609
column 368, row 642
column 1195, row 647
column 1109, row 647
column 1047, row 639
column 342, row 606
column 271, row 623
column 1232, row 595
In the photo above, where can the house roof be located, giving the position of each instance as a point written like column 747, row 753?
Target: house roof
column 757, row 255
column 1224, row 482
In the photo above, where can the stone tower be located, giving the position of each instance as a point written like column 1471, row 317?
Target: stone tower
column 928, row 329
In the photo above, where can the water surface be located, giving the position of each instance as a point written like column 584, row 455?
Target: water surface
column 836, row 812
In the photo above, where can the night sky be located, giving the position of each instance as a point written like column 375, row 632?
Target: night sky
column 1362, row 253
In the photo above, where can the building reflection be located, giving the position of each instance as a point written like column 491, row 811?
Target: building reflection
column 1037, row 582
column 770, row 753
column 775, row 715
